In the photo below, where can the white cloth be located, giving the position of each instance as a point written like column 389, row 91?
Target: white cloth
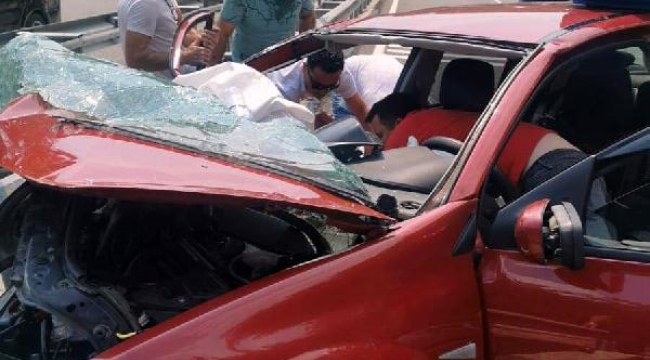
column 291, row 83
column 374, row 75
column 153, row 18
column 251, row 94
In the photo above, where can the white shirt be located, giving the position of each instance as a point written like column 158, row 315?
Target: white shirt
column 291, row 83
column 153, row 18
column 374, row 75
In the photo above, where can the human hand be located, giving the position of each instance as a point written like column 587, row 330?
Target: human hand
column 210, row 38
column 195, row 54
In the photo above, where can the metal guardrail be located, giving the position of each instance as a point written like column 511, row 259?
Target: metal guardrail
column 93, row 33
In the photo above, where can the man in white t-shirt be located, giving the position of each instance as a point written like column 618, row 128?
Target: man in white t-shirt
column 147, row 30
column 322, row 73
column 375, row 77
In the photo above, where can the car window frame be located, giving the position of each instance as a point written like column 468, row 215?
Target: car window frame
column 573, row 186
column 581, row 173
column 443, row 190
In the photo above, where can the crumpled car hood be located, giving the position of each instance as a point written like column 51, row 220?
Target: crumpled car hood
column 99, row 127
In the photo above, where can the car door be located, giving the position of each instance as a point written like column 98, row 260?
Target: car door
column 586, row 297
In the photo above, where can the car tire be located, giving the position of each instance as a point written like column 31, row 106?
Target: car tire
column 35, row 18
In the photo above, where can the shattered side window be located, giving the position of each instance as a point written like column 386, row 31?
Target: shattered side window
column 144, row 105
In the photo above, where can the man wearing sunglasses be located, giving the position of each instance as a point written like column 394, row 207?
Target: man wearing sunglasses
column 322, row 73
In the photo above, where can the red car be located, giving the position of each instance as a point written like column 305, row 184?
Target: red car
column 135, row 239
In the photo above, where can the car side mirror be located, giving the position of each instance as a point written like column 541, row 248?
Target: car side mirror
column 545, row 232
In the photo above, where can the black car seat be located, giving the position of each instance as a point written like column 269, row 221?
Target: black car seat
column 597, row 103
column 467, row 85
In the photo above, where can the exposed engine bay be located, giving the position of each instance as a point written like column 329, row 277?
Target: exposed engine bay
column 87, row 273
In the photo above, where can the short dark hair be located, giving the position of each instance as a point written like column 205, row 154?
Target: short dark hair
column 329, row 61
column 391, row 108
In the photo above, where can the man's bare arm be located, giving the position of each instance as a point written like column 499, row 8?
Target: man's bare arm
column 138, row 56
column 307, row 21
column 225, row 31
column 358, row 107
column 210, row 40
column 193, row 36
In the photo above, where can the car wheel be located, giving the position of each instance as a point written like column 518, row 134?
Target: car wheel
column 35, row 18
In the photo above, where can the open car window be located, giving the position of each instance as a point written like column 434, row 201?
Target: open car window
column 583, row 106
column 597, row 115
column 619, row 201
column 596, row 100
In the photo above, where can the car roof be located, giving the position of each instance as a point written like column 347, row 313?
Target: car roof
column 514, row 23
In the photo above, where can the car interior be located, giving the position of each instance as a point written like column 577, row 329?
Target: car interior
column 595, row 91
column 609, row 88
column 594, row 101
column 446, row 80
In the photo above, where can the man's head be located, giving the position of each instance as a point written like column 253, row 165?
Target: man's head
column 386, row 113
column 323, row 72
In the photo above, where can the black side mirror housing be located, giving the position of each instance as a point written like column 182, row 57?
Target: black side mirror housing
column 546, row 232
column 565, row 236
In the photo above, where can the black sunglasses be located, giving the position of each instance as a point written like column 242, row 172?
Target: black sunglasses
column 318, row 86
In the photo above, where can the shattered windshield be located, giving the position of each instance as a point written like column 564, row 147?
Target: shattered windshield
column 143, row 105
